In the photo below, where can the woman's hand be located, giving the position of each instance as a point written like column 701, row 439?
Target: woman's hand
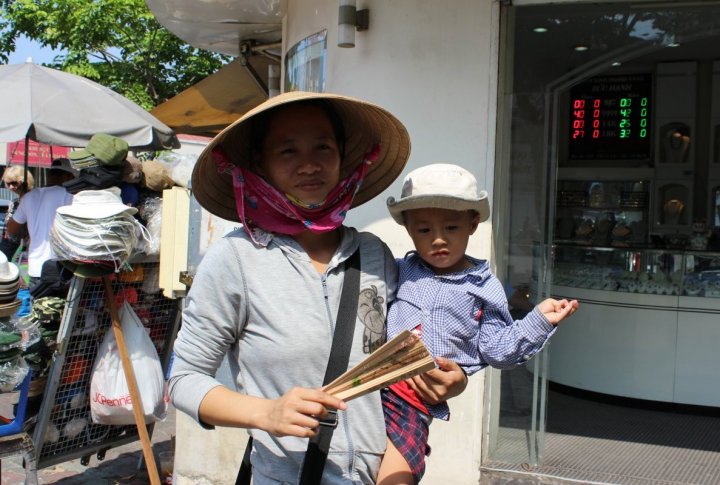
column 441, row 384
column 298, row 412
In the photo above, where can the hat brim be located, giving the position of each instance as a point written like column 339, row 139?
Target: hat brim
column 12, row 275
column 95, row 211
column 479, row 205
column 10, row 309
column 83, row 158
column 365, row 126
column 79, row 155
column 65, row 169
column 88, row 270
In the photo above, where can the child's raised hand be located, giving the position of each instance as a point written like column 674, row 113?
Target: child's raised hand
column 557, row 310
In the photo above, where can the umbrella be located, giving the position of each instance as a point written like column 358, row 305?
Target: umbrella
column 55, row 107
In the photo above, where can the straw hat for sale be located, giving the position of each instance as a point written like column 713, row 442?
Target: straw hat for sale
column 439, row 186
column 366, row 125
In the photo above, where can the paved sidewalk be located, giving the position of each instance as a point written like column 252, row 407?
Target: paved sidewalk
column 122, row 465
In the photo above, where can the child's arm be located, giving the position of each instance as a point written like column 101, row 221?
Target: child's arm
column 557, row 310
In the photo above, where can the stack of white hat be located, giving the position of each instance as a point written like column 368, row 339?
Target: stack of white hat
column 96, row 228
column 9, row 286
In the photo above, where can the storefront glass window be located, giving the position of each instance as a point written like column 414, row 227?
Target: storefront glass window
column 608, row 142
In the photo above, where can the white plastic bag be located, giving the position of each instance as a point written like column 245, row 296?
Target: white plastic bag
column 110, row 401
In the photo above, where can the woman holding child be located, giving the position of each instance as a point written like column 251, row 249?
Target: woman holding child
column 269, row 293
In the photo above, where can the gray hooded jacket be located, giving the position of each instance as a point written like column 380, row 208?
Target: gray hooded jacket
column 275, row 315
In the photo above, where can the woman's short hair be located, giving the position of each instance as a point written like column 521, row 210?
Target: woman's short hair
column 14, row 173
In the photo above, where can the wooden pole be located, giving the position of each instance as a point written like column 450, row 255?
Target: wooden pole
column 132, row 383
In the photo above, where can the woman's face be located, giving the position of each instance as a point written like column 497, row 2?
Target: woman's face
column 300, row 155
column 14, row 185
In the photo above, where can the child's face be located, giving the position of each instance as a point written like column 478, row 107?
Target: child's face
column 441, row 236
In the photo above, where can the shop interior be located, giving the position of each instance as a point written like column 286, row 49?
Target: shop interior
column 614, row 183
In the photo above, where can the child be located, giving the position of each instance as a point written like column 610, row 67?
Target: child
column 456, row 303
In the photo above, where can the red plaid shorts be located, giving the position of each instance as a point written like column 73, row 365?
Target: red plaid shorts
column 408, row 429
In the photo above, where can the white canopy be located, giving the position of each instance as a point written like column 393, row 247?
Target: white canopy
column 55, row 107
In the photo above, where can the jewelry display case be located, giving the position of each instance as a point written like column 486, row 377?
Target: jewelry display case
column 647, row 324
column 612, row 213
column 645, row 271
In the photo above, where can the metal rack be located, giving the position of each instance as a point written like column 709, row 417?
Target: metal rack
column 64, row 429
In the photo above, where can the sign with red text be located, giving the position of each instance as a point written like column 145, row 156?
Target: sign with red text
column 610, row 118
column 39, row 154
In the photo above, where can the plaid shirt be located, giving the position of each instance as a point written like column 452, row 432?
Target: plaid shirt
column 464, row 316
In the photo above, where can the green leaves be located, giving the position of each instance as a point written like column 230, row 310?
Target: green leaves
column 117, row 43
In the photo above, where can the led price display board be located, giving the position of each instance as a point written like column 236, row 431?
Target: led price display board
column 610, row 118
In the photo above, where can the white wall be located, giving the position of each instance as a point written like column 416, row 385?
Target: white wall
column 432, row 64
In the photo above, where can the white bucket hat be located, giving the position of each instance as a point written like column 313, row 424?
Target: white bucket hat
column 9, row 272
column 439, row 186
column 96, row 204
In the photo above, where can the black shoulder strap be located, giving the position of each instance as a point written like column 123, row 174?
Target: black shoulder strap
column 318, row 447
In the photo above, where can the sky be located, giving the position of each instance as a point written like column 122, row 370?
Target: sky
column 25, row 48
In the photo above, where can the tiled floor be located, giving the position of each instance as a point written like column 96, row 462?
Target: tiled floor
column 596, row 441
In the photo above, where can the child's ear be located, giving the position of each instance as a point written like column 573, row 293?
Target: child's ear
column 475, row 222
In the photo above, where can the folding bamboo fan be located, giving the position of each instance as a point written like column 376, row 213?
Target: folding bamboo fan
column 400, row 358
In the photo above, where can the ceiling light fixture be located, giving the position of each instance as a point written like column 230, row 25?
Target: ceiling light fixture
column 539, row 30
column 581, row 48
column 616, row 64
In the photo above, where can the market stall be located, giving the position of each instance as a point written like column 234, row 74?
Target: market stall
column 64, row 429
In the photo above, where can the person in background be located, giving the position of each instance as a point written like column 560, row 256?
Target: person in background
column 454, row 302
column 60, row 171
column 267, row 295
column 20, row 182
column 15, row 179
column 35, row 215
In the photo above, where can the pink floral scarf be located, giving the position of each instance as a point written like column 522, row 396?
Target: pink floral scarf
column 263, row 209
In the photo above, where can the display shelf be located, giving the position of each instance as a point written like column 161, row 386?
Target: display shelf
column 613, row 213
column 64, row 430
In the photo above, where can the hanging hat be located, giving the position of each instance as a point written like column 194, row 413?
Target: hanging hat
column 439, row 186
column 9, row 272
column 96, row 204
column 101, row 150
column 156, row 175
column 63, row 165
column 366, row 125
column 136, row 275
